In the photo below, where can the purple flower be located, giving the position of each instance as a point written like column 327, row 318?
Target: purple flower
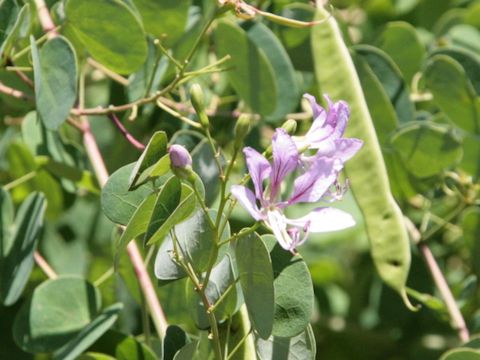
column 179, row 157
column 265, row 203
column 326, row 133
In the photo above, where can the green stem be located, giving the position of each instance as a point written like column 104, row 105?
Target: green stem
column 104, row 277
column 445, row 222
column 224, row 295
column 241, row 233
column 239, row 345
column 38, row 42
column 20, row 180
column 223, row 188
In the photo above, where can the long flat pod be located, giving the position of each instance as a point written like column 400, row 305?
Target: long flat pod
column 336, row 75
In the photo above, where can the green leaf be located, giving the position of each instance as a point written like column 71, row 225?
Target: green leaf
column 468, row 60
column 293, row 290
column 7, row 216
column 17, row 262
column 11, row 22
column 110, row 31
column 453, row 93
column 187, row 352
column 21, row 162
column 408, row 58
column 55, row 70
column 56, row 313
column 174, row 15
column 288, row 92
column 89, row 334
column 381, row 109
column 137, row 225
column 427, row 148
column 256, row 279
column 184, row 207
column 336, row 75
column 203, row 163
column 195, row 241
column 391, row 79
column 301, row 346
column 461, row 353
column 471, row 154
column 175, row 339
column 253, row 76
column 221, row 279
column 95, row 356
column 118, row 203
column 131, row 349
column 167, row 201
column 148, row 162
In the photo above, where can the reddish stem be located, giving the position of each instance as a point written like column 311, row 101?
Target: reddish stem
column 125, row 132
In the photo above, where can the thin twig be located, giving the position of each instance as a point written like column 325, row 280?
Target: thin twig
column 109, row 73
column 125, row 132
column 44, row 265
column 45, row 19
column 458, row 322
column 7, row 90
column 24, row 78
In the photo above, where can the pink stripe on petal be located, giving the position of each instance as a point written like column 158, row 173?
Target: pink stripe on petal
column 285, row 159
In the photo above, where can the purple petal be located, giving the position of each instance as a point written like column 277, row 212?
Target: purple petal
column 340, row 114
column 277, row 223
column 313, row 184
column 246, row 197
column 259, row 169
column 343, row 149
column 324, row 220
column 285, row 159
column 317, row 110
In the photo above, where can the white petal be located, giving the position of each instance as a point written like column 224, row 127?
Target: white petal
column 324, row 220
column 247, row 198
column 277, row 222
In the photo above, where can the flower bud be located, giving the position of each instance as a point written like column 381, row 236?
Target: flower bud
column 180, row 162
column 242, row 128
column 196, row 97
column 290, row 126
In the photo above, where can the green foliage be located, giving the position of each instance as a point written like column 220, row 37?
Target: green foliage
column 84, row 83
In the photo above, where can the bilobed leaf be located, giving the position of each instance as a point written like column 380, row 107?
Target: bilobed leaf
column 110, row 31
column 174, row 14
column 426, row 148
column 155, row 150
column 256, row 279
column 293, row 290
column 55, row 70
column 408, row 58
column 89, row 334
column 56, row 313
column 453, row 93
column 336, row 75
column 253, row 76
column 118, row 203
column 301, row 346
column 17, row 262
column 391, row 79
column 288, row 92
column 137, row 225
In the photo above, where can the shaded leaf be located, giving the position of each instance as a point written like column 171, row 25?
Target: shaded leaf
column 256, row 279
column 55, row 70
column 110, row 31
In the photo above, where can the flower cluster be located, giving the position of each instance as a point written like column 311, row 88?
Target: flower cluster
column 317, row 176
